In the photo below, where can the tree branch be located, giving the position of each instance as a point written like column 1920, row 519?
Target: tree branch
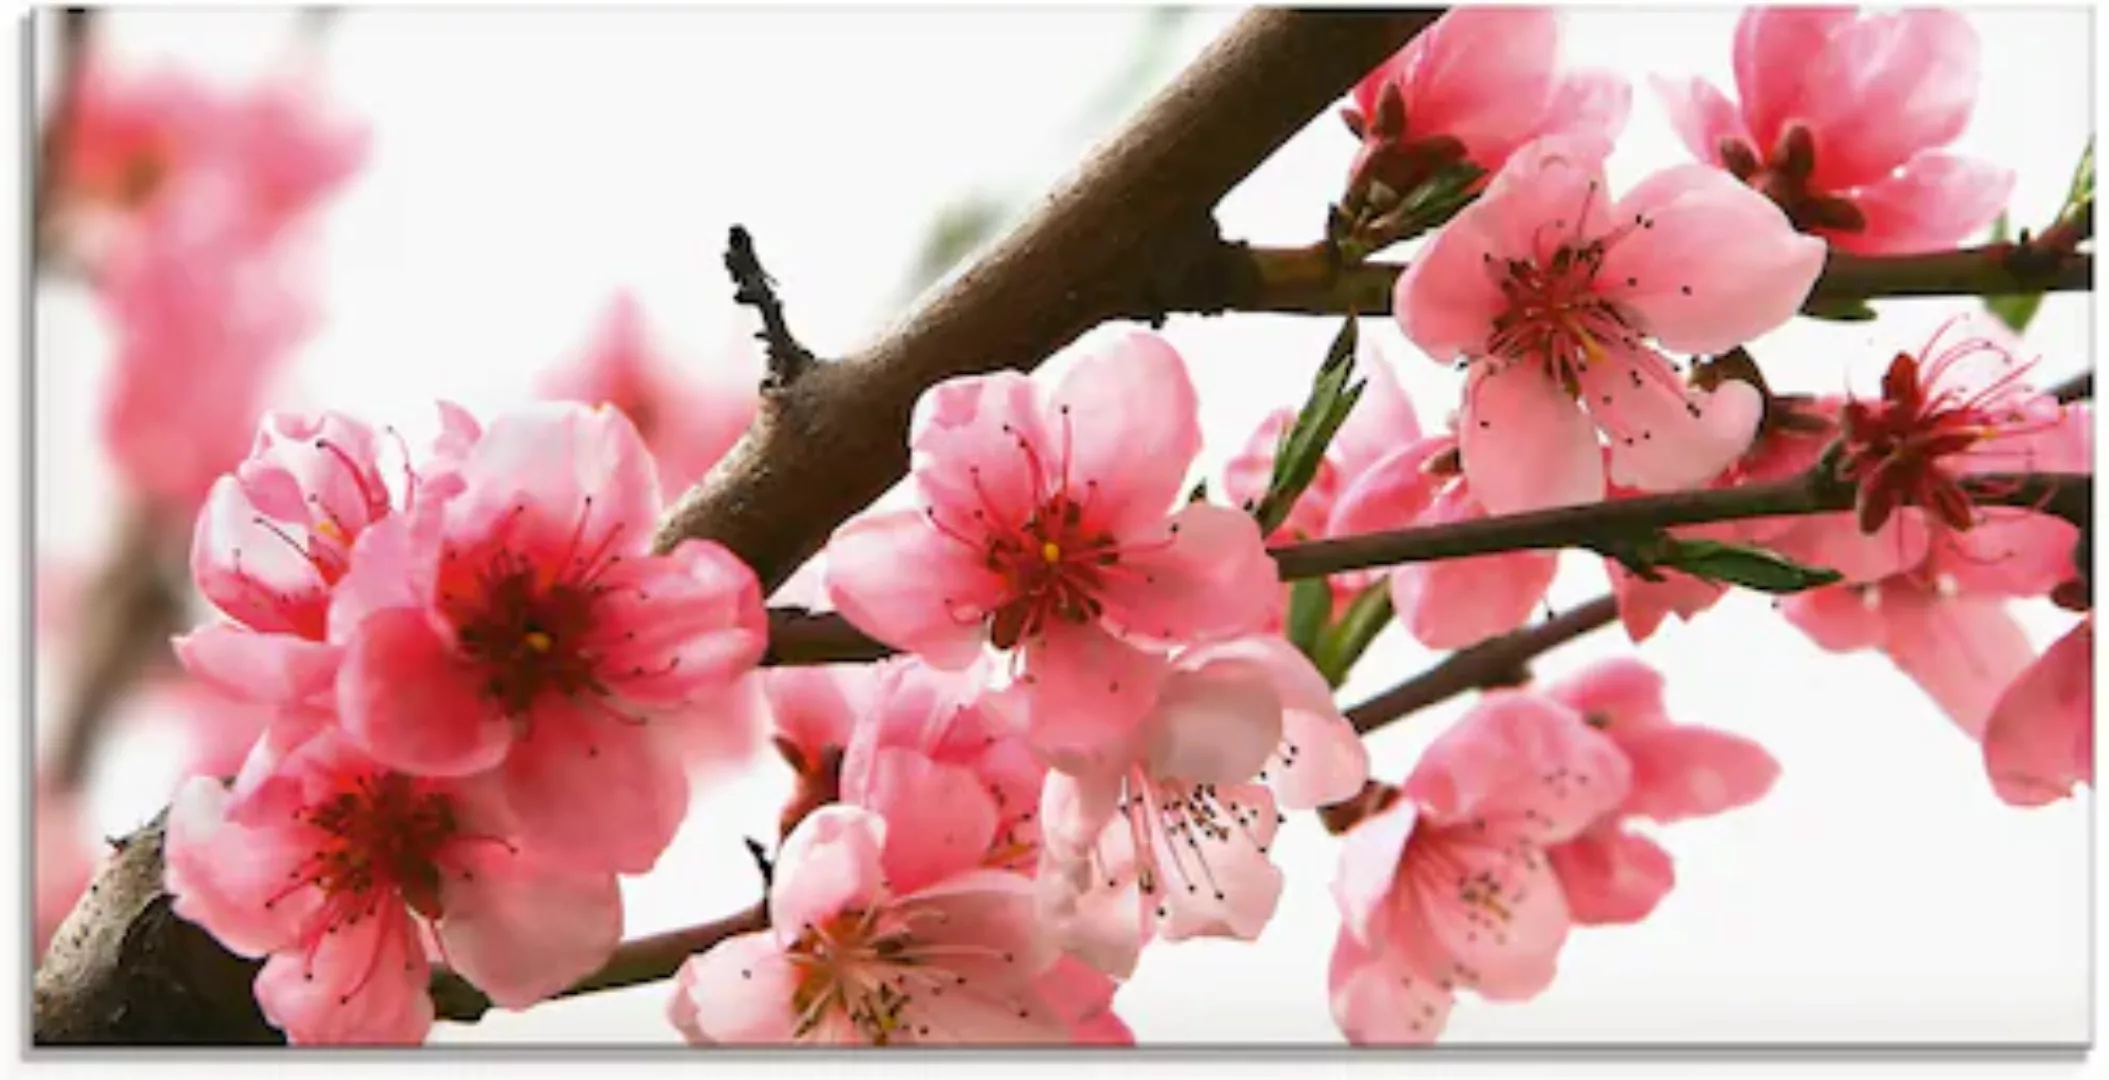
column 76, row 26
column 1494, row 662
column 756, row 289
column 1312, row 281
column 1132, row 221
column 2077, row 388
column 2066, row 495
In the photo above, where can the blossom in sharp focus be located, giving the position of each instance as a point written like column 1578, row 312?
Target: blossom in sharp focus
column 1053, row 528
column 1176, row 844
column 856, row 956
column 1476, row 86
column 2039, row 740
column 1841, row 122
column 1450, row 886
column 523, row 623
column 1608, row 873
column 1551, row 293
column 338, row 869
column 689, row 414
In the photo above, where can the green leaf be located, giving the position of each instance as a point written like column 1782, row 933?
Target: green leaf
column 1302, row 447
column 2082, row 187
column 1843, row 309
column 2016, row 310
column 1310, row 608
column 1344, row 642
column 1735, row 564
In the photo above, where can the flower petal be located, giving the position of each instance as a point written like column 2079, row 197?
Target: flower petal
column 1087, row 693
column 1376, row 1003
column 1701, row 116
column 415, row 705
column 2039, row 741
column 1885, row 87
column 1369, row 867
column 1683, row 771
column 940, row 819
column 1620, row 695
column 596, row 791
column 1714, row 265
column 1525, row 444
column 739, row 991
column 902, row 581
column 1521, row 762
column 981, row 451
column 1935, row 203
column 1126, row 420
column 363, row 985
column 1214, row 723
column 522, row 928
column 1774, row 51
column 1611, row 876
column 1963, row 651
column 831, row 862
column 1666, row 436
column 1204, row 573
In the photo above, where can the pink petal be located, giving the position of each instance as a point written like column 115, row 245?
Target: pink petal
column 1664, row 435
column 1247, row 475
column 1836, row 542
column 1455, row 603
column 677, row 629
column 1716, row 264
column 1838, row 618
column 564, row 464
column 831, row 862
column 1216, row 722
column 1368, row 872
column 2039, row 741
column 394, row 564
column 363, row 985
column 256, row 575
column 1482, row 77
column 1205, row 573
column 1391, row 491
column 1088, row 693
column 1083, row 997
column 1445, row 301
column 1092, row 904
column 222, row 875
column 1644, row 605
column 1588, row 103
column 981, row 452
column 1611, row 876
column 740, row 991
column 277, row 669
column 522, row 928
column 1382, row 420
column 1621, row 695
column 1508, row 949
column 1684, row 772
column 1525, row 445
column 1376, row 1003
column 990, row 917
column 1321, row 759
column 1964, row 651
column 1074, row 811
column 2009, row 553
column 413, row 703
column 593, row 790
column 817, row 707
column 1126, row 419
column 1240, row 889
column 1524, row 763
column 1884, row 88
column 1937, row 201
column 1701, row 116
column 940, row 818
column 912, row 587
column 1774, row 52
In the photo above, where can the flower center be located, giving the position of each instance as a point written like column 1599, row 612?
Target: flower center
column 871, row 968
column 382, row 834
column 1173, row 824
column 324, row 542
column 1784, row 177
column 1557, row 312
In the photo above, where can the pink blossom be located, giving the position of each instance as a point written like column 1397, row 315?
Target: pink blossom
column 1052, row 528
column 201, row 324
column 1677, row 771
column 1842, row 121
column 689, row 418
column 1476, row 86
column 1450, row 886
column 2039, row 741
column 338, row 870
column 1176, row 844
column 523, row 622
column 1964, row 649
column 855, row 956
column 1551, row 293
column 65, row 862
column 137, row 141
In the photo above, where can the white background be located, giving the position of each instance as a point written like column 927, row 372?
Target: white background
column 527, row 165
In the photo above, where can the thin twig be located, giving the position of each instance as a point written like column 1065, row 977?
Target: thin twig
column 2077, row 388
column 756, row 289
column 1495, row 662
column 1312, row 281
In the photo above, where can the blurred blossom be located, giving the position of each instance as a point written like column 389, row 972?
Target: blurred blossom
column 65, row 861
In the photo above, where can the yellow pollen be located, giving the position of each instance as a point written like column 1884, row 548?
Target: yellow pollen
column 538, row 641
column 1051, row 551
column 331, row 530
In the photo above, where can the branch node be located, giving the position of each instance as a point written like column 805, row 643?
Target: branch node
column 754, row 288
